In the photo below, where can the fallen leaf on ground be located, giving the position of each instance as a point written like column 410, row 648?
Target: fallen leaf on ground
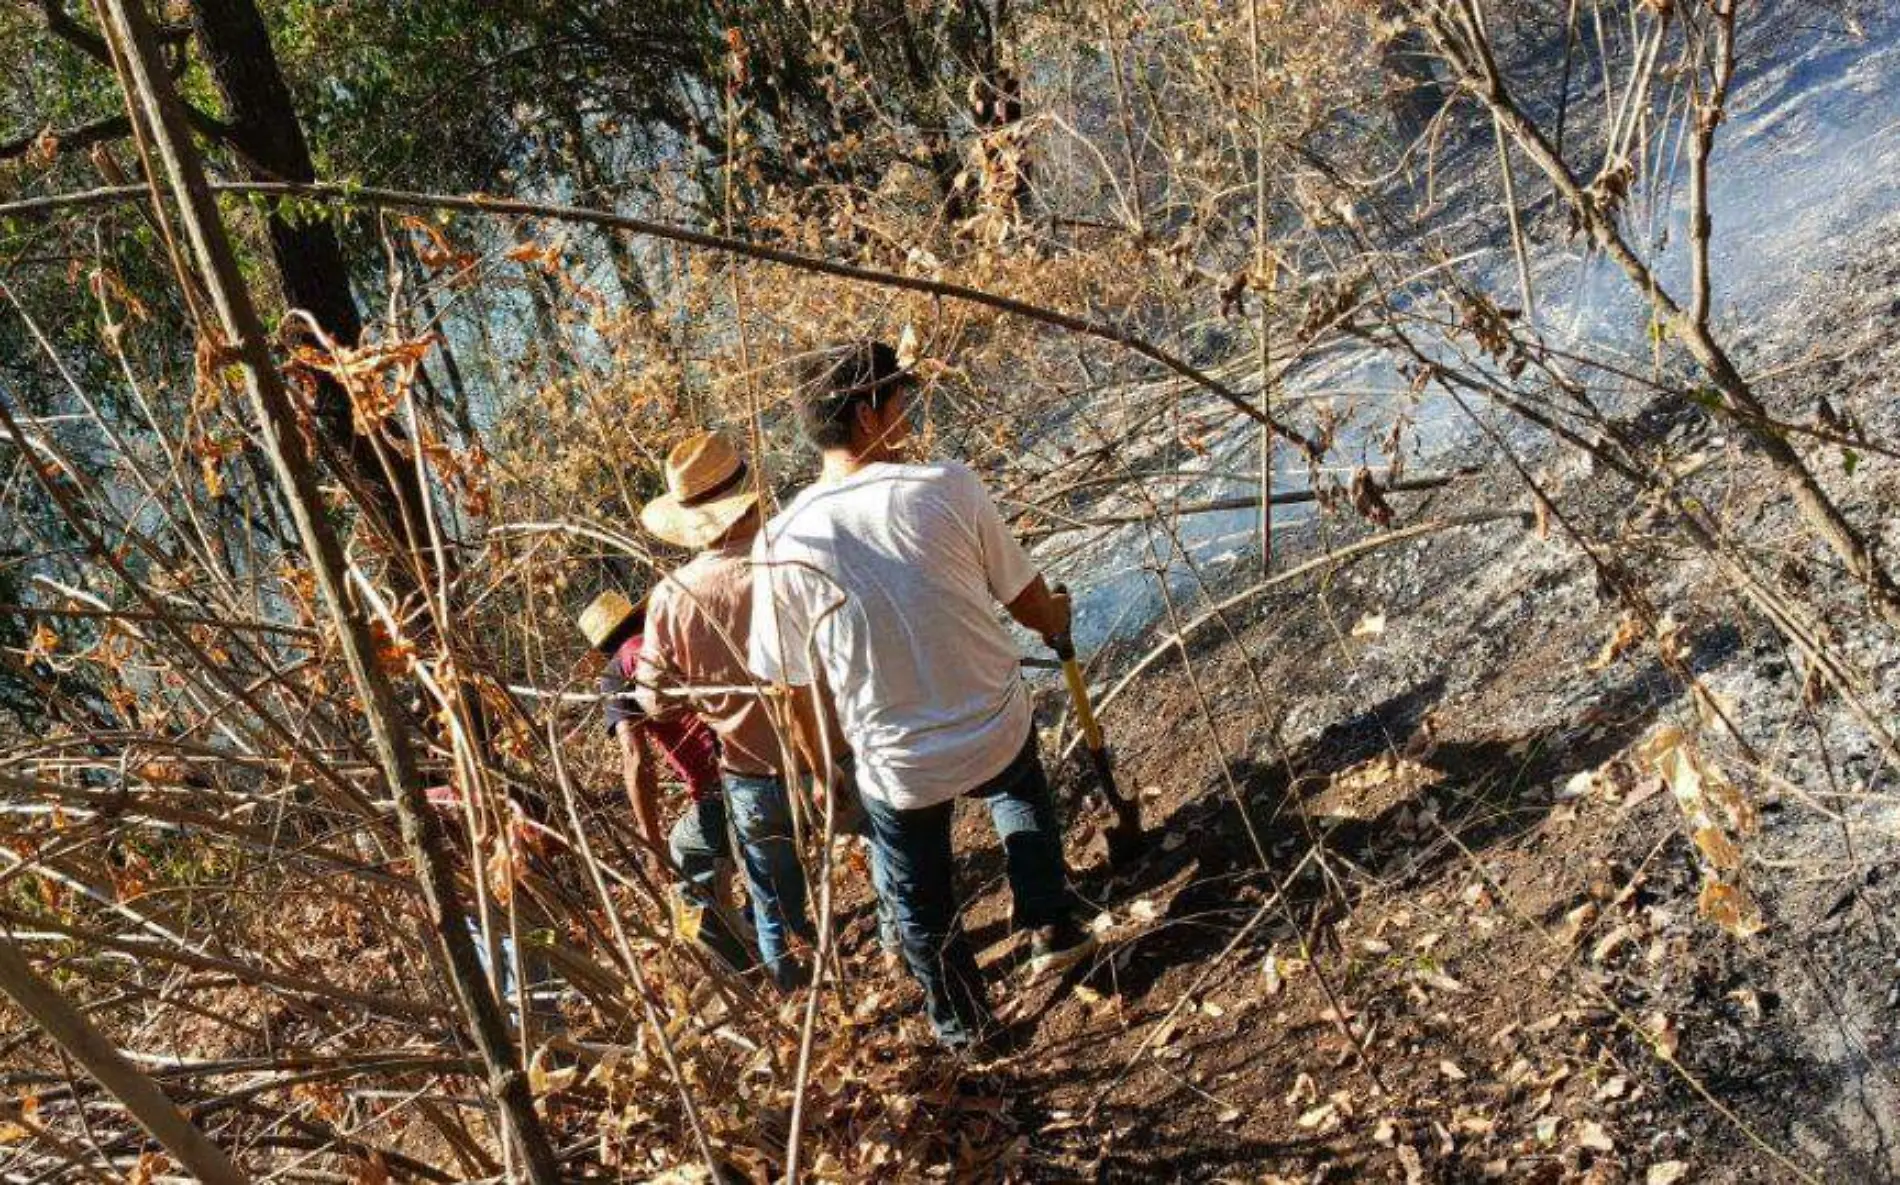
column 1305, row 1090
column 1592, row 1136
column 1629, row 631
column 543, row 1080
column 1579, row 786
column 1270, row 970
column 1612, row 942
column 1730, row 907
column 1665, row 1034
column 1667, row 1172
column 1319, row 1116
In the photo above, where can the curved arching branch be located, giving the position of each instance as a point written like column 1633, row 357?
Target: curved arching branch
column 399, row 199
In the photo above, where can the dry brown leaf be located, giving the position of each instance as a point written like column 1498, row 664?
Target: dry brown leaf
column 148, row 1168
column 543, row 1080
column 1579, row 786
column 1612, row 942
column 1305, row 1090
column 1629, row 631
column 1576, row 922
column 1718, row 848
column 1664, row 1034
column 1322, row 1116
column 1592, row 1136
column 1731, row 908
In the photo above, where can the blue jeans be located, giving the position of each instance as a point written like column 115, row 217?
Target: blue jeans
column 539, row 976
column 852, row 804
column 697, row 843
column 917, row 869
column 761, row 816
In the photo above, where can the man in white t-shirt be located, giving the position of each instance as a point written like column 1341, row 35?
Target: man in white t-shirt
column 878, row 585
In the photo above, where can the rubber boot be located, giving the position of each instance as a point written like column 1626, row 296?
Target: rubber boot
column 707, row 930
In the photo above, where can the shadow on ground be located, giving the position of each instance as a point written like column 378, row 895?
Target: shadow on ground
column 1376, row 792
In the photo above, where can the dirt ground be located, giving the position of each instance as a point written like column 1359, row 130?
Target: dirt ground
column 1422, row 909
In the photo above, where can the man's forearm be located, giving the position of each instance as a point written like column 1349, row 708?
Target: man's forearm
column 1041, row 610
column 643, row 789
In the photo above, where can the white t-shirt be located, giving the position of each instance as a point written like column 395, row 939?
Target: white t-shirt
column 894, row 574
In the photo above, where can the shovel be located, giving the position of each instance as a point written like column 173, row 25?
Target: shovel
column 1127, row 842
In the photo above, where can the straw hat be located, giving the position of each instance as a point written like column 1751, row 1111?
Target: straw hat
column 605, row 615
column 707, row 490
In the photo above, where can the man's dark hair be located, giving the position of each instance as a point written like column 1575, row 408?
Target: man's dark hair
column 836, row 380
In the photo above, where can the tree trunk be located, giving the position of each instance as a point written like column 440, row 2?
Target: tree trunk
column 309, row 259
column 422, row 831
column 592, row 179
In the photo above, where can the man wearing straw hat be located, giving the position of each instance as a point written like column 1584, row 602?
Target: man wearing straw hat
column 888, row 575
column 615, row 626
column 697, row 626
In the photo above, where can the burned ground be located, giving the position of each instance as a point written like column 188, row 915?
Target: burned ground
column 1473, row 949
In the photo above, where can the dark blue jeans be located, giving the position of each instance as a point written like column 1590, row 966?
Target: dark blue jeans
column 762, row 821
column 918, row 871
column 775, row 882
column 698, row 842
